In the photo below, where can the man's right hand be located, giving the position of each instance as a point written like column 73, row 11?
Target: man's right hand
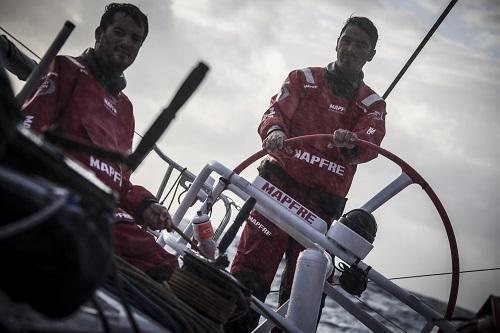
column 157, row 217
column 274, row 141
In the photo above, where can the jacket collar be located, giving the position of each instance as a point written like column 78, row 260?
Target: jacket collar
column 113, row 84
column 341, row 84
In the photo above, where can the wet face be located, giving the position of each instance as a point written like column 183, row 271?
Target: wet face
column 353, row 50
column 118, row 45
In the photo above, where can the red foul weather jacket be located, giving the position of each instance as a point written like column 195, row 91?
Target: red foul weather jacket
column 71, row 97
column 306, row 105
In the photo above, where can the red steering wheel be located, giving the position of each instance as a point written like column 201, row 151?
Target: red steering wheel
column 417, row 179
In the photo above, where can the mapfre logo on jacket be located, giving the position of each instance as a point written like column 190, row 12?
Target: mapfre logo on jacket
column 337, row 108
column 105, row 168
column 319, row 162
column 109, row 106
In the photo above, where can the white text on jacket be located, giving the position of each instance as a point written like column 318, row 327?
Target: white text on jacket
column 259, row 226
column 319, row 162
column 108, row 169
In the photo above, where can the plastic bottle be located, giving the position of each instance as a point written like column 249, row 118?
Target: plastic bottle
column 203, row 233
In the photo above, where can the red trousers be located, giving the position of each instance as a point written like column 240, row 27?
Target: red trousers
column 262, row 244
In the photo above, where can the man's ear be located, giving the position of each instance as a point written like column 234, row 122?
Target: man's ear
column 98, row 34
column 337, row 45
column 372, row 54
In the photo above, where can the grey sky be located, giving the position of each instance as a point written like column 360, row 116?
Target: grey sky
column 443, row 116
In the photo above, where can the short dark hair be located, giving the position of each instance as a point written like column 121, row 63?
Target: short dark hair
column 364, row 24
column 129, row 10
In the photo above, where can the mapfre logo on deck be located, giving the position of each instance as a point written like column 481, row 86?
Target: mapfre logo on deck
column 285, row 200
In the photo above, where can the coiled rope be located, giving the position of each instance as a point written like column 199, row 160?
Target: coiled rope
column 209, row 290
column 157, row 299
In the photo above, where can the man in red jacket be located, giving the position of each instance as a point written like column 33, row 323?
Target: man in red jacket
column 313, row 100
column 83, row 96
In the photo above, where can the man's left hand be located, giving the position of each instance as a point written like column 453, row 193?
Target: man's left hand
column 157, row 217
column 343, row 138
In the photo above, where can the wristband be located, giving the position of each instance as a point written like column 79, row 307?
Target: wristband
column 273, row 128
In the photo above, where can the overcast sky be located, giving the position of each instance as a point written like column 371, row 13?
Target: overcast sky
column 443, row 116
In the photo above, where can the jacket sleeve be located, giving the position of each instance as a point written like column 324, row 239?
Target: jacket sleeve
column 369, row 127
column 44, row 108
column 134, row 198
column 283, row 105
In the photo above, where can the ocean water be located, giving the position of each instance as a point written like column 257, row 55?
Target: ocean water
column 382, row 306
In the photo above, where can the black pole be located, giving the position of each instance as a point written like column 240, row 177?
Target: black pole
column 40, row 70
column 420, row 47
column 167, row 115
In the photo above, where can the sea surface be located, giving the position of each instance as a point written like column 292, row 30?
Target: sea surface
column 382, row 306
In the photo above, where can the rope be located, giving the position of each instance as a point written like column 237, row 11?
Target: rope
column 181, row 194
column 209, row 290
column 176, row 188
column 423, row 275
column 100, row 313
column 141, row 299
column 123, row 299
column 447, row 273
column 164, row 297
column 176, row 182
column 213, row 301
